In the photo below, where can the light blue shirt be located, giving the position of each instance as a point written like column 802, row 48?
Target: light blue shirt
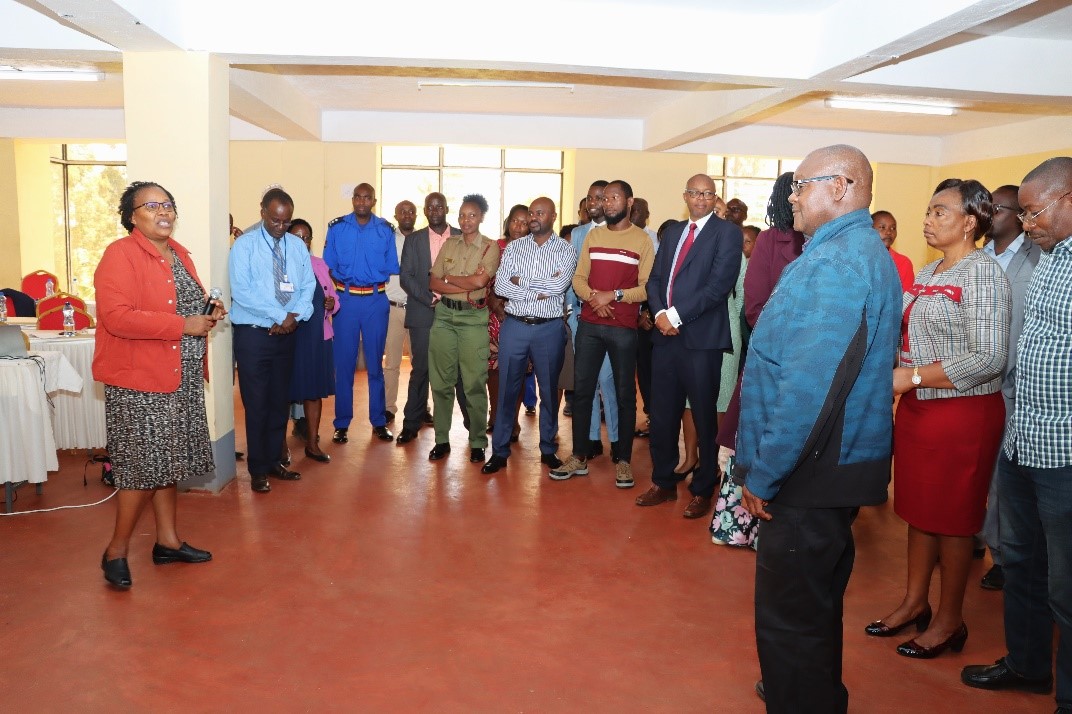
column 1006, row 255
column 253, row 283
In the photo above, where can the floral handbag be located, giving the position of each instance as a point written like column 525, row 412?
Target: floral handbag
column 732, row 524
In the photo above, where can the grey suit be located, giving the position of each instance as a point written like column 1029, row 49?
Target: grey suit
column 414, row 266
column 1019, row 272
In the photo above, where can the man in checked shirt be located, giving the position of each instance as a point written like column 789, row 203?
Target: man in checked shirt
column 533, row 276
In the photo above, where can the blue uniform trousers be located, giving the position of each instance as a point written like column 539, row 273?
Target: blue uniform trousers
column 360, row 319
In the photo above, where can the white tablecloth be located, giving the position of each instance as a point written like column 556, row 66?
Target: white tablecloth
column 78, row 419
column 27, row 444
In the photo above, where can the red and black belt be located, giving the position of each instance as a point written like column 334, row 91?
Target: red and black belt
column 359, row 289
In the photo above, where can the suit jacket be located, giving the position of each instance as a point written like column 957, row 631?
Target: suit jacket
column 414, row 266
column 1021, row 267
column 702, row 285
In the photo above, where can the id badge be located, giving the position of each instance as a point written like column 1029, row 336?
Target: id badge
column 285, row 287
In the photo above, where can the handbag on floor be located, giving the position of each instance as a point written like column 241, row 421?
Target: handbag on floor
column 732, row 524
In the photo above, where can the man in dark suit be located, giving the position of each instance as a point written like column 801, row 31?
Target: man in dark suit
column 695, row 270
column 418, row 253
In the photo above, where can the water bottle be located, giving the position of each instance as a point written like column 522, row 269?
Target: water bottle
column 50, row 288
column 3, row 308
column 68, row 319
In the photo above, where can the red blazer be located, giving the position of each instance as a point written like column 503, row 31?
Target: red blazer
column 138, row 330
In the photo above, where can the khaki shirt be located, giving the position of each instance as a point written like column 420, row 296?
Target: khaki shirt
column 457, row 257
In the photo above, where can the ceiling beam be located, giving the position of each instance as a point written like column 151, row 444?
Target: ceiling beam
column 275, row 105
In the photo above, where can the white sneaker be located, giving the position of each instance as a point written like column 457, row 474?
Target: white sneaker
column 623, row 475
column 571, row 467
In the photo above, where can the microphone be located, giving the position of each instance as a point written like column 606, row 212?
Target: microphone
column 214, row 294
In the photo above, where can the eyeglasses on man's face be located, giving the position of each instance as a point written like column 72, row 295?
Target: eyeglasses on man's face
column 1028, row 217
column 157, row 206
column 697, row 193
column 799, row 184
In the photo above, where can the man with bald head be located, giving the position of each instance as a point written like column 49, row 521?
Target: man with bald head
column 1035, row 466
column 405, row 218
column 533, row 277
column 694, row 272
column 360, row 251
column 816, row 427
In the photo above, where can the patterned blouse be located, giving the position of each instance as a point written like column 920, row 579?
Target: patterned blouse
column 961, row 319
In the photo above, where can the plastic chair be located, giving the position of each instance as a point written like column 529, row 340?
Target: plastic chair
column 57, row 300
column 34, row 283
column 53, row 319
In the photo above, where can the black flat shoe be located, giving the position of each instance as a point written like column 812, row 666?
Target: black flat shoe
column 880, row 629
column 405, row 436
column 438, row 451
column 383, row 433
column 259, row 483
column 340, row 437
column 476, row 455
column 954, row 642
column 495, row 463
column 116, row 572
column 285, row 461
column 321, row 457
column 999, row 676
column 283, row 473
column 185, row 553
column 551, row 460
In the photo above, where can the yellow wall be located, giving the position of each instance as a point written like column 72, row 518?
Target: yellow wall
column 33, row 176
column 11, row 266
column 660, row 178
column 904, row 190
column 998, row 172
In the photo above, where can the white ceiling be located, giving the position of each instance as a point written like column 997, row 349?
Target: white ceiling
column 666, row 75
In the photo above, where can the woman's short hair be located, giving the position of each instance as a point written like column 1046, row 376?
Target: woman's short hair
column 975, row 201
column 477, row 200
column 126, row 202
column 300, row 222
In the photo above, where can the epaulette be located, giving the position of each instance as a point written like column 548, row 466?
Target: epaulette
column 390, row 225
column 335, row 220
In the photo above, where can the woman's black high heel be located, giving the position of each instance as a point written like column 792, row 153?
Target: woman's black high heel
column 881, row 629
column 116, row 572
column 321, row 457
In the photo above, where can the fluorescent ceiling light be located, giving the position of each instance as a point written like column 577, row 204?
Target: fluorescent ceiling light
column 58, row 75
column 497, row 83
column 874, row 105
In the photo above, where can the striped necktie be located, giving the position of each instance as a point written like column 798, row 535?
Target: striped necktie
column 277, row 271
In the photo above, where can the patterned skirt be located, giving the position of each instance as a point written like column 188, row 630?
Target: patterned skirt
column 156, row 439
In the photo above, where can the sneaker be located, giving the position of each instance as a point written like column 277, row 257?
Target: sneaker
column 571, row 467
column 623, row 475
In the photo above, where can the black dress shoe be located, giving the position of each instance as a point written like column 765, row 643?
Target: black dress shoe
column 760, row 692
column 389, row 416
column 239, row 456
column 476, row 455
column 880, row 629
column 494, row 464
column 427, row 418
column 530, row 411
column 595, row 448
column 301, row 428
column 999, row 676
column 259, row 483
column 321, row 457
column 283, row 473
column 116, row 572
column 994, row 579
column 185, row 553
column 641, row 433
column 383, row 433
column 286, row 458
column 405, row 436
column 438, row 451
column 954, row 642
column 340, row 437
column 551, row 460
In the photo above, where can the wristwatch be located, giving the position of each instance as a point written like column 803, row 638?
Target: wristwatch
column 618, row 295
column 916, row 379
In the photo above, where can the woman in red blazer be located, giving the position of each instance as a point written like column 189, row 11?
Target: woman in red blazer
column 150, row 355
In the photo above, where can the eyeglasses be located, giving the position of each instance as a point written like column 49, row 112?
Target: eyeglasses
column 798, row 185
column 697, row 193
column 999, row 207
column 277, row 222
column 1026, row 217
column 157, row 206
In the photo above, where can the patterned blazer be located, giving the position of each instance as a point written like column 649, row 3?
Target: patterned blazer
column 961, row 319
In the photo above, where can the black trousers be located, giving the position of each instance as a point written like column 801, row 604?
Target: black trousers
column 591, row 345
column 417, row 391
column 679, row 373
column 643, row 367
column 803, row 565
column 265, row 363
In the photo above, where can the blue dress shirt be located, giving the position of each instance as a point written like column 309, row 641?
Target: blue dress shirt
column 358, row 254
column 251, row 269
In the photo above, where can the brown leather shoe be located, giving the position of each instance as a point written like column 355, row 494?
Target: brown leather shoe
column 698, row 507
column 656, row 495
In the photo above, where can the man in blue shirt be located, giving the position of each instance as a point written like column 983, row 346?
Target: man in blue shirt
column 272, row 287
column 361, row 253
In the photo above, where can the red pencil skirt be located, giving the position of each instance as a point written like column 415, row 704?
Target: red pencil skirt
column 943, row 458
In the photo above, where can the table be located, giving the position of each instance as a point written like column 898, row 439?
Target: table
column 27, row 442
column 78, row 420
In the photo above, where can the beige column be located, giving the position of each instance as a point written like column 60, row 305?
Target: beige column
column 178, row 130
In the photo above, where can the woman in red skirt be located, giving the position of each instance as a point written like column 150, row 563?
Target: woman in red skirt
column 951, row 415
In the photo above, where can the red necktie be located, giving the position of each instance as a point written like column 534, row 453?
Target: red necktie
column 689, row 240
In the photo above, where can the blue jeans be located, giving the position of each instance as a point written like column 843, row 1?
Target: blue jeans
column 1036, row 549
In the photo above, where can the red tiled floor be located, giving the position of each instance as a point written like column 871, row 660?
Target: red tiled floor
column 384, row 582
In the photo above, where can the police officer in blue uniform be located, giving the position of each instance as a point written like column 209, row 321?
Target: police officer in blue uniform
column 361, row 253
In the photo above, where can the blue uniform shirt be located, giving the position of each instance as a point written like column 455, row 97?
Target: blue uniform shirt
column 361, row 255
column 253, row 300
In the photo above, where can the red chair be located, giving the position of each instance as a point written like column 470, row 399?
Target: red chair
column 34, row 283
column 53, row 319
column 57, row 300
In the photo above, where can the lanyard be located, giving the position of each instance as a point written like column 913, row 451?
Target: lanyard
column 281, row 255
